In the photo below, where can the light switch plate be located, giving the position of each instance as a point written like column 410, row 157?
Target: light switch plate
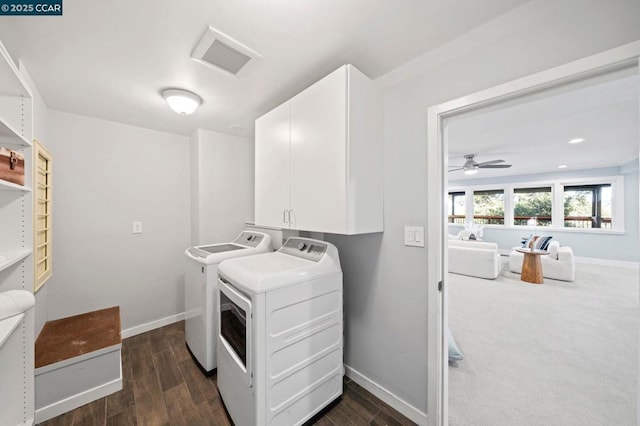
column 414, row 236
column 137, row 228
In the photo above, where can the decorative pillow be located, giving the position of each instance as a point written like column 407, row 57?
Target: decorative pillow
column 464, row 234
column 454, row 352
column 543, row 243
column 553, row 249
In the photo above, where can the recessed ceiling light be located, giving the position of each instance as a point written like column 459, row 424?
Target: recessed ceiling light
column 577, row 140
column 182, row 101
column 562, row 166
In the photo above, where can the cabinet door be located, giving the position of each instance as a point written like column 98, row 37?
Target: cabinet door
column 318, row 155
column 272, row 167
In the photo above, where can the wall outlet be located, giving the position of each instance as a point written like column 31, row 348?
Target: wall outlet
column 137, row 228
column 414, row 236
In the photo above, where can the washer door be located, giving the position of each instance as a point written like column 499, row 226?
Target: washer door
column 235, row 327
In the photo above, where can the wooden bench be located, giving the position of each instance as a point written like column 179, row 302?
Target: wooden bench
column 77, row 360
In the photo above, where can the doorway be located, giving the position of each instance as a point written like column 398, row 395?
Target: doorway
column 492, row 99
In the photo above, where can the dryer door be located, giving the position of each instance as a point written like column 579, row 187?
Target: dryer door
column 235, row 328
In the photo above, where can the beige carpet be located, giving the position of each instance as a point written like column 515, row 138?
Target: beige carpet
column 553, row 354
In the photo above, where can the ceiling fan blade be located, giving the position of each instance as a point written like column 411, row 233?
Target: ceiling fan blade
column 453, row 170
column 490, row 162
column 495, row 166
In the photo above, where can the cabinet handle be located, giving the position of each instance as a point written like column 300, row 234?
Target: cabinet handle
column 284, row 216
column 292, row 217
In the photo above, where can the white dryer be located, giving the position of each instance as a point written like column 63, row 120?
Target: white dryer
column 201, row 273
column 280, row 343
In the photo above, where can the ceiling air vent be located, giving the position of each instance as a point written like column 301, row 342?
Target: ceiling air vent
column 221, row 52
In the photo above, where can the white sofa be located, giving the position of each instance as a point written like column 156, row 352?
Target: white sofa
column 557, row 265
column 474, row 258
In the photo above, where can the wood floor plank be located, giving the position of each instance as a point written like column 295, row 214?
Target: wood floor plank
column 212, row 412
column 344, row 414
column 154, row 418
column 200, row 388
column 123, row 418
column 182, row 411
column 149, row 398
column 120, row 401
column 167, row 373
column 179, row 347
column 364, row 407
column 158, row 340
column 323, row 421
column 391, row 417
column 65, row 419
column 92, row 414
column 141, row 361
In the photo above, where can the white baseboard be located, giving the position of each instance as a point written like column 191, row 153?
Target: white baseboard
column 607, row 262
column 387, row 396
column 78, row 400
column 152, row 325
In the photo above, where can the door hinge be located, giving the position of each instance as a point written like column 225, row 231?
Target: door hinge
column 439, row 285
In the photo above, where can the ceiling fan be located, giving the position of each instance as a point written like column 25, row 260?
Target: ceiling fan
column 471, row 166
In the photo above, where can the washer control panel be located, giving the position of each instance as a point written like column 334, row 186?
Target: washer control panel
column 250, row 239
column 299, row 247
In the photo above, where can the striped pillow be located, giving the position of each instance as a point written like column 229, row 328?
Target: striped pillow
column 543, row 243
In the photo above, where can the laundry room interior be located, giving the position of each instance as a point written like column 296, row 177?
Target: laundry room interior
column 191, row 172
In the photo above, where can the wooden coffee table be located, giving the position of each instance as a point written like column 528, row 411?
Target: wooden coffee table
column 532, row 265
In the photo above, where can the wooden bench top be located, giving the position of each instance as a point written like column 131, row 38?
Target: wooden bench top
column 77, row 335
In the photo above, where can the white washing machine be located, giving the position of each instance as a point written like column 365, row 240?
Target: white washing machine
column 200, row 298
column 280, row 343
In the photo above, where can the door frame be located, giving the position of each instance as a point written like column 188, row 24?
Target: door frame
column 437, row 164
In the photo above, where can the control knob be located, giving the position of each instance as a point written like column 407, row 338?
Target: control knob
column 302, row 246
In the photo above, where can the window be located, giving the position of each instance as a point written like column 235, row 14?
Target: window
column 532, row 204
column 583, row 204
column 587, row 206
column 42, row 215
column 456, row 207
column 488, row 207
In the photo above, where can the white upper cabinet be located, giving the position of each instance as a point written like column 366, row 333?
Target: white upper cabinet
column 272, row 167
column 319, row 158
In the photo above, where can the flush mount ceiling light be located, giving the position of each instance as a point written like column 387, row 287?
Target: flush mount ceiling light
column 577, row 140
column 181, row 101
column 562, row 166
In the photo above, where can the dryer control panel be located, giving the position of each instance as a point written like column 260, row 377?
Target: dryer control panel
column 306, row 249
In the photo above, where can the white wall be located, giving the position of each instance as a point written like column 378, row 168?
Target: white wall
column 107, row 175
column 385, row 282
column 222, row 177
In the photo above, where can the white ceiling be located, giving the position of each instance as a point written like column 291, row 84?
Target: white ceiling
column 111, row 59
column 532, row 133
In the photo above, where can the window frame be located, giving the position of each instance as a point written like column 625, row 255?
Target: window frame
column 557, row 202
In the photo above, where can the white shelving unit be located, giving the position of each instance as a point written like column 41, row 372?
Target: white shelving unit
column 16, row 241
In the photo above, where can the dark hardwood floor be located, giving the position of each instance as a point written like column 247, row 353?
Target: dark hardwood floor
column 163, row 386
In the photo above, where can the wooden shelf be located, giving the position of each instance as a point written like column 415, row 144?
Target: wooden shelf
column 10, row 257
column 9, row 135
column 7, row 326
column 10, row 186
